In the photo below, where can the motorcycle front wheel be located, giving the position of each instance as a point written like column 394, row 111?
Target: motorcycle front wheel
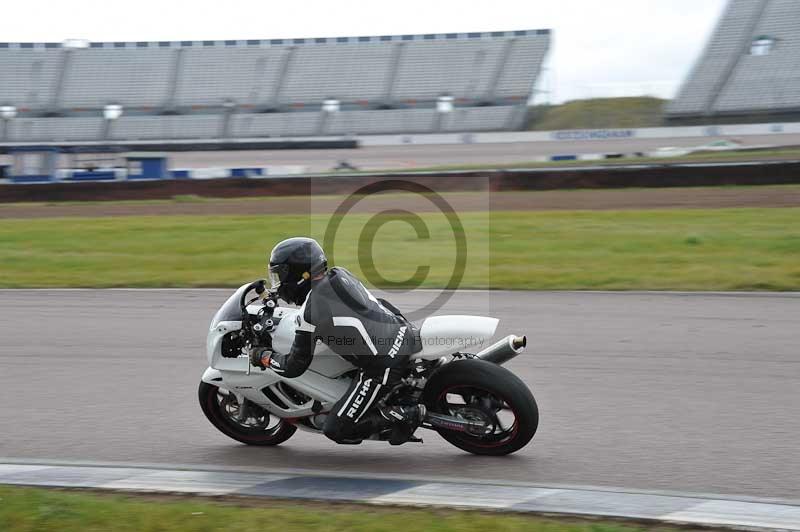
column 485, row 393
column 253, row 425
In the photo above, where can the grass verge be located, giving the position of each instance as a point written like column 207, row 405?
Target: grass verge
column 593, row 113
column 11, row 210
column 714, row 249
column 29, row 509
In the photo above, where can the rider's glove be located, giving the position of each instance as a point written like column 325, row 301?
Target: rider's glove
column 259, row 357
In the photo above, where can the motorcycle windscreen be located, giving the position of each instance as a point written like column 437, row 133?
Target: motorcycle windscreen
column 230, row 310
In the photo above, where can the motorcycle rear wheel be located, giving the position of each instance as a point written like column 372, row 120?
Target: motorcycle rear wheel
column 220, row 407
column 483, row 391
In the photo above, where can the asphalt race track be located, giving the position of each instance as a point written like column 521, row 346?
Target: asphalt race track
column 421, row 156
column 695, row 393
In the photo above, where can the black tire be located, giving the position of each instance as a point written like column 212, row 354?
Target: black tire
column 495, row 381
column 208, row 394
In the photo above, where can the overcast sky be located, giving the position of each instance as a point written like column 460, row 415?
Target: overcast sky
column 600, row 47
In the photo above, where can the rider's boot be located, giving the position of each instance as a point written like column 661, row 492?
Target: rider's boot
column 405, row 420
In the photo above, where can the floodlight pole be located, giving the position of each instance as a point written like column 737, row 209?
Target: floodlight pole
column 7, row 113
column 330, row 107
column 444, row 107
column 111, row 112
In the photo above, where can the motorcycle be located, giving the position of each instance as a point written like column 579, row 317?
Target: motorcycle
column 471, row 400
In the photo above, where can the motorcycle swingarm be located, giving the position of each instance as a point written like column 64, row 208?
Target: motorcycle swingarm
column 455, row 424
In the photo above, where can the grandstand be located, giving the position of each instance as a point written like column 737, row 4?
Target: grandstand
column 256, row 89
column 750, row 69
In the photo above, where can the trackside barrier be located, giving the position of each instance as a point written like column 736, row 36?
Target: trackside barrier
column 356, row 141
column 109, row 174
column 587, row 157
column 221, row 173
column 552, row 178
column 734, row 130
column 123, row 174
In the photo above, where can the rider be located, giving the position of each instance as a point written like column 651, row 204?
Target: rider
column 336, row 309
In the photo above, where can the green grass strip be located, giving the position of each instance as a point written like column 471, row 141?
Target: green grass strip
column 40, row 510
column 694, row 249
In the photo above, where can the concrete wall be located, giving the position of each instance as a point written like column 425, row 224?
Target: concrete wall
column 733, row 130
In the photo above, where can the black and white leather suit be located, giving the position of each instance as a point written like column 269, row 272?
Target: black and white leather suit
column 341, row 313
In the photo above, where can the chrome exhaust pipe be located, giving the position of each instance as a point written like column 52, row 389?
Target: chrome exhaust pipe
column 504, row 350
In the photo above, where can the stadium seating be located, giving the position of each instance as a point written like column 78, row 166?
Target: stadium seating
column 388, row 121
column 209, row 76
column 132, row 77
column 208, row 126
column 735, row 77
column 29, row 77
column 269, row 88
column 275, row 125
column 516, row 78
column 346, row 71
column 770, row 81
column 68, row 129
column 484, row 119
column 428, row 69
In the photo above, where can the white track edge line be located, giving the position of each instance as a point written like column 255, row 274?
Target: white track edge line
column 300, row 472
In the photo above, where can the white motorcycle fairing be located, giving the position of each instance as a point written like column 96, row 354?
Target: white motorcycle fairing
column 324, row 381
column 329, row 375
column 443, row 335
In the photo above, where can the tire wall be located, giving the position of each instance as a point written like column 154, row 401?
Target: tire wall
column 499, row 180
